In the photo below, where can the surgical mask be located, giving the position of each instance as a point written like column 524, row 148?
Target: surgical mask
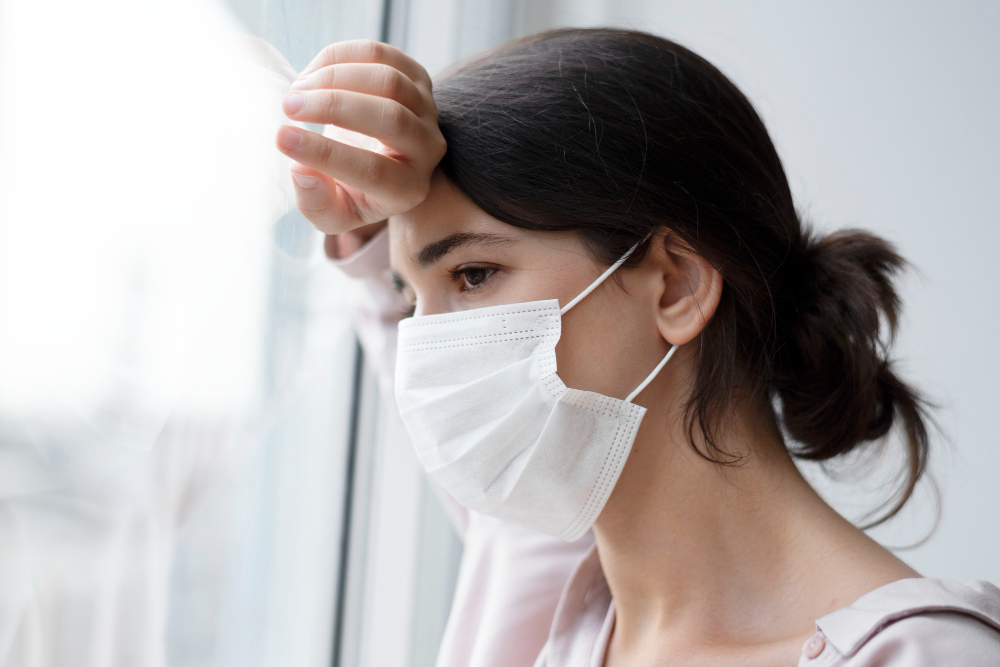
column 496, row 427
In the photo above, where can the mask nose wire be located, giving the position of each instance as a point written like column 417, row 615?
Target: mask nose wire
column 600, row 279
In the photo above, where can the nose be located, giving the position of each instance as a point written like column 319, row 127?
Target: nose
column 431, row 306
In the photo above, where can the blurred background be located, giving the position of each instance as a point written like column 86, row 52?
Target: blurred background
column 196, row 467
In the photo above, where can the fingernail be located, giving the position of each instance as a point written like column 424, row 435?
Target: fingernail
column 289, row 139
column 293, row 103
column 305, row 181
column 307, row 71
column 300, row 84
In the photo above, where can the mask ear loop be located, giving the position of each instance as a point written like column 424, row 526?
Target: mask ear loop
column 593, row 286
column 610, row 270
column 649, row 378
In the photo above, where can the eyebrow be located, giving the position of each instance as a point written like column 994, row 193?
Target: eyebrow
column 434, row 251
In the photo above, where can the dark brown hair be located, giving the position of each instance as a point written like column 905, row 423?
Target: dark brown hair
column 613, row 133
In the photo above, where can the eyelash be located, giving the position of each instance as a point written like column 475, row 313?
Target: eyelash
column 458, row 273
column 455, row 274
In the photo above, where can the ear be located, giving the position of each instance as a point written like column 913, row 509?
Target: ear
column 691, row 289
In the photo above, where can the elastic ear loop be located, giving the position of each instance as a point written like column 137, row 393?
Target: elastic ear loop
column 593, row 286
column 649, row 378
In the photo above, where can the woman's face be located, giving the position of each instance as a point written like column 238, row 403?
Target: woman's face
column 449, row 255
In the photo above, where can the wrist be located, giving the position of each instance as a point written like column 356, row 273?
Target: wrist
column 339, row 246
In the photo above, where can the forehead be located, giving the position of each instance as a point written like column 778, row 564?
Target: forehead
column 445, row 211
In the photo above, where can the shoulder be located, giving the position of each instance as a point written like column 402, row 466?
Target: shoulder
column 915, row 622
column 933, row 638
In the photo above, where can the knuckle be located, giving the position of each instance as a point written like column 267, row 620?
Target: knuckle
column 394, row 120
column 323, row 151
column 439, row 147
column 373, row 171
column 333, row 103
column 329, row 53
column 313, row 208
column 414, row 188
column 392, row 84
column 327, row 76
column 313, row 211
column 372, row 50
column 421, row 189
column 423, row 77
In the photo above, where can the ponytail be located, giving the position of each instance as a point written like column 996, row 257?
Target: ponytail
column 836, row 383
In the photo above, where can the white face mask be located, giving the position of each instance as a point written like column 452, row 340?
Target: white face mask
column 496, row 427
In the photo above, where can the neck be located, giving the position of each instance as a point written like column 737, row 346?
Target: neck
column 717, row 554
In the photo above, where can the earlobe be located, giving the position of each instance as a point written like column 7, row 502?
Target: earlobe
column 692, row 288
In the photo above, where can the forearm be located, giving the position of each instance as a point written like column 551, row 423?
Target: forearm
column 375, row 309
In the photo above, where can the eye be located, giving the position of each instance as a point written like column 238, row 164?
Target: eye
column 472, row 277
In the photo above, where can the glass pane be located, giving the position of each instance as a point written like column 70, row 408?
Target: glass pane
column 177, row 364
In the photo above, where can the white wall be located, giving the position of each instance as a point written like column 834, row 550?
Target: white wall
column 885, row 117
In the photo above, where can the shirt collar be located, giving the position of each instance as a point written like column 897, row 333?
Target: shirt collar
column 586, row 600
column 849, row 628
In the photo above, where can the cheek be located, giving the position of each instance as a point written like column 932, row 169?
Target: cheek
column 606, row 344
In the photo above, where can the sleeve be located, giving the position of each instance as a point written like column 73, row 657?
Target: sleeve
column 375, row 309
column 931, row 639
column 374, row 305
column 509, row 585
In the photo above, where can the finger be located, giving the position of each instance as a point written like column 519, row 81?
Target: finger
column 386, row 120
column 377, row 175
column 371, row 78
column 369, row 51
column 323, row 202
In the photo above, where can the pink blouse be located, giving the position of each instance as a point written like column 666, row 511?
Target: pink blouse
column 911, row 622
column 525, row 599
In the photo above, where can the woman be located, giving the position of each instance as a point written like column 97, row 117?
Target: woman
column 622, row 333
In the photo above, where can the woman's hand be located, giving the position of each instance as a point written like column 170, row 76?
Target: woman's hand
column 383, row 143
